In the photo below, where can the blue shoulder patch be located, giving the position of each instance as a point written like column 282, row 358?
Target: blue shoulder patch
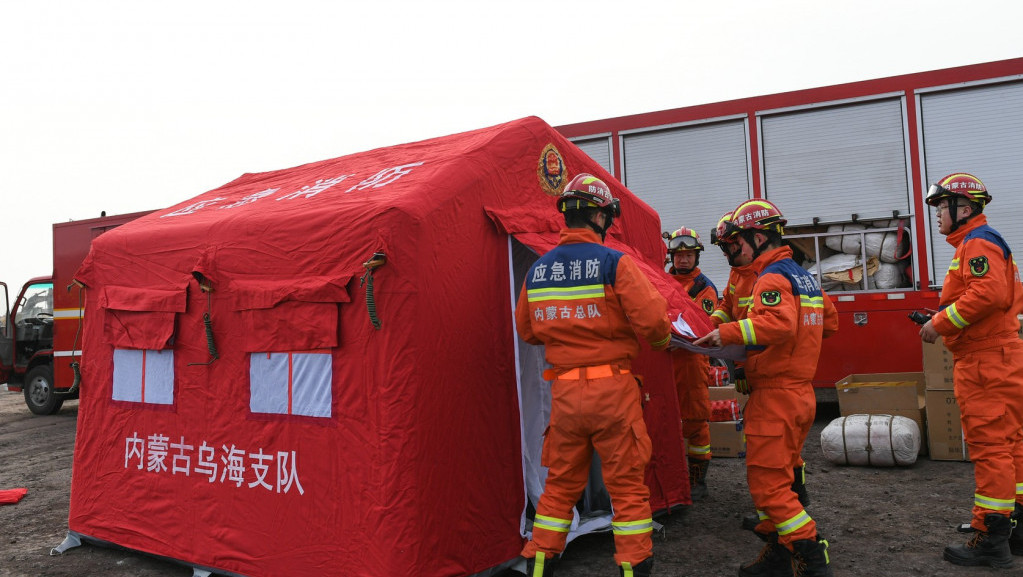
column 991, row 235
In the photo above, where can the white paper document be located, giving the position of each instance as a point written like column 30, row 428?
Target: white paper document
column 683, row 335
column 682, row 327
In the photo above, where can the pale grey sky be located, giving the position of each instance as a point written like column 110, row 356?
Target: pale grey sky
column 130, row 105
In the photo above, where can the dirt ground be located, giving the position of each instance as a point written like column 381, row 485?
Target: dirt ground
column 879, row 521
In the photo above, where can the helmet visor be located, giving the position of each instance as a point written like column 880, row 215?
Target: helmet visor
column 935, row 193
column 615, row 208
column 729, row 234
column 682, row 242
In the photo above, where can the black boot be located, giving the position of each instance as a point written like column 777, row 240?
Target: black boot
column 639, row 570
column 697, row 478
column 541, row 566
column 1016, row 537
column 799, row 485
column 774, row 560
column 810, row 558
column 989, row 547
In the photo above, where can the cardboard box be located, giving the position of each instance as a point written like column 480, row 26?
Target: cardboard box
column 944, row 429
column 937, row 366
column 727, row 439
column 897, row 394
column 727, row 392
column 918, row 380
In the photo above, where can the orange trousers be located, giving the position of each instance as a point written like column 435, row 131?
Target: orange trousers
column 777, row 422
column 989, row 390
column 604, row 415
column 692, row 372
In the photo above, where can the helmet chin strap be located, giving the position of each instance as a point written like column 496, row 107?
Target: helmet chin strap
column 608, row 221
column 751, row 238
column 730, row 256
column 953, row 208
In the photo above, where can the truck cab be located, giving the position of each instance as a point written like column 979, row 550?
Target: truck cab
column 26, row 346
column 40, row 332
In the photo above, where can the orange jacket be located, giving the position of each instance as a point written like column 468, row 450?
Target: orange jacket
column 587, row 303
column 700, row 289
column 788, row 318
column 735, row 299
column 982, row 294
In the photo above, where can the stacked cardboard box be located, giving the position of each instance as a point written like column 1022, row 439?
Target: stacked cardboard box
column 898, row 394
column 726, row 437
column 937, row 367
column 727, row 392
column 944, row 429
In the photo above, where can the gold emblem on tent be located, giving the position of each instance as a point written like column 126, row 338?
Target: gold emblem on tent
column 551, row 171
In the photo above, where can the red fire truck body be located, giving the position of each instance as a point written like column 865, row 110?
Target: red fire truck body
column 40, row 337
column 849, row 166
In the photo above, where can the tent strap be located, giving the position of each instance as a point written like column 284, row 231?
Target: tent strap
column 378, row 259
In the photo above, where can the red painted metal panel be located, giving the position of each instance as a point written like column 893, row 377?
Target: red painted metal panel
column 888, row 341
column 71, row 242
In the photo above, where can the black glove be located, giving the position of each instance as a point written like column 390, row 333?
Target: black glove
column 741, row 384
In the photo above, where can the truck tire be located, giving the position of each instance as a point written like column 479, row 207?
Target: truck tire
column 39, row 394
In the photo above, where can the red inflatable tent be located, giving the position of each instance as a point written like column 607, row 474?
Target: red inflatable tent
column 314, row 371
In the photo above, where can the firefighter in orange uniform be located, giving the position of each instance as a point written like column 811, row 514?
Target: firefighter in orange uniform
column 587, row 303
column 980, row 300
column 735, row 301
column 692, row 371
column 782, row 332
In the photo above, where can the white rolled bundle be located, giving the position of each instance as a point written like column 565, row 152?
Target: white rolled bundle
column 887, row 276
column 847, row 243
column 886, row 245
column 838, row 263
column 872, row 440
column 889, row 223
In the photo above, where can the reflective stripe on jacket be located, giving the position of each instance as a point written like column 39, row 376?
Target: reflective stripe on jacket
column 735, row 299
column 587, row 303
column 787, row 318
column 981, row 296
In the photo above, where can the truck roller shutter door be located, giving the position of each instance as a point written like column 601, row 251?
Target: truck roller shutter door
column 976, row 130
column 834, row 162
column 599, row 149
column 691, row 175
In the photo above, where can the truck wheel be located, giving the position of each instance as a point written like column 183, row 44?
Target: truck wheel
column 39, row 395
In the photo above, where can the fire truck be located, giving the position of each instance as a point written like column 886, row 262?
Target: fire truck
column 849, row 166
column 40, row 332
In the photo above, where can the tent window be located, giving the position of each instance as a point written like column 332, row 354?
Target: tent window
column 291, row 383
column 144, row 376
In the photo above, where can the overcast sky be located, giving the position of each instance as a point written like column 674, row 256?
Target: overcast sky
column 132, row 105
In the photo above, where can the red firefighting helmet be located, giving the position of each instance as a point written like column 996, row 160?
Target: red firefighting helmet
column 683, row 239
column 588, row 191
column 720, row 229
column 754, row 214
column 958, row 185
